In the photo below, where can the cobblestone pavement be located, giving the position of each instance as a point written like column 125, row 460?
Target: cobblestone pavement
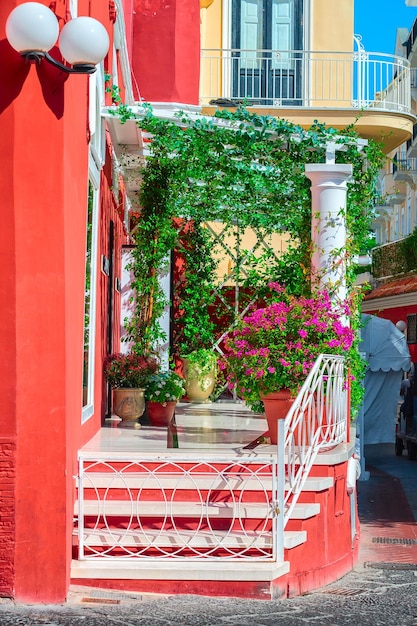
column 368, row 596
column 380, row 591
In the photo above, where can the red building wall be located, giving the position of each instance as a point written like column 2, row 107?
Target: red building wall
column 395, row 315
column 166, row 50
column 44, row 138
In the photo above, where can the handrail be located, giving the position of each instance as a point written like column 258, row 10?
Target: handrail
column 306, row 78
column 317, row 420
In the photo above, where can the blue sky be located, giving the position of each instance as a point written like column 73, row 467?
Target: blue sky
column 377, row 21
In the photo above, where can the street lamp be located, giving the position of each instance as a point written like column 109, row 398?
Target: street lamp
column 32, row 29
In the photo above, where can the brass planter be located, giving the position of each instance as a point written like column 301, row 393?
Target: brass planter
column 198, row 386
column 128, row 404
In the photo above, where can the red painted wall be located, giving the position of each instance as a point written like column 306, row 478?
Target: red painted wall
column 43, row 184
column 128, row 11
column 333, row 552
column 395, row 315
column 166, row 50
column 8, row 366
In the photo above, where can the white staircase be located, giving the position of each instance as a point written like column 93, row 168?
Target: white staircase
column 182, row 522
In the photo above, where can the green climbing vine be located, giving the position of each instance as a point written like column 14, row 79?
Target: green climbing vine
column 243, row 170
column 397, row 257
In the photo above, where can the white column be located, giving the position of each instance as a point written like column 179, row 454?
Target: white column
column 328, row 226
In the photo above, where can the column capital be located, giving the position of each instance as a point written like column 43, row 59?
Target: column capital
column 328, row 173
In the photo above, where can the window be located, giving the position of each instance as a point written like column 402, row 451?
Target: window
column 265, row 37
column 412, row 328
column 95, row 164
column 89, row 303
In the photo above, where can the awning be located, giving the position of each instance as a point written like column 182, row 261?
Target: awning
column 384, row 346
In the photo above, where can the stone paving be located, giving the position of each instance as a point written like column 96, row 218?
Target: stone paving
column 381, row 591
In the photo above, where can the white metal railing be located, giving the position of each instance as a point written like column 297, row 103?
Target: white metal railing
column 219, row 508
column 317, row 421
column 305, row 78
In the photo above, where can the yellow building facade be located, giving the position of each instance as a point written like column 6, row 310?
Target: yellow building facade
column 301, row 61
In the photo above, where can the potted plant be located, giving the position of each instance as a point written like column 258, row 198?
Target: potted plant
column 128, row 374
column 163, row 390
column 273, row 348
column 200, row 373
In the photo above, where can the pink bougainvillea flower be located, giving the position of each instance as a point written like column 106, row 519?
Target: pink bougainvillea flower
column 275, row 346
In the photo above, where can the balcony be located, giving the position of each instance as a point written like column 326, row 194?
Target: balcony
column 412, row 143
column 393, row 191
column 404, row 169
column 304, row 85
column 382, row 213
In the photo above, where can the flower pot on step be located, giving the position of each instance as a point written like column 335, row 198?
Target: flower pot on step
column 160, row 414
column 200, row 378
column 128, row 404
column 276, row 406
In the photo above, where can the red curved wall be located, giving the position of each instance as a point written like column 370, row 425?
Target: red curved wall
column 44, row 138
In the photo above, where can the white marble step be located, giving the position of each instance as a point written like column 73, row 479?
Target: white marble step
column 221, row 510
column 136, row 480
column 227, row 539
column 305, row 510
column 214, row 510
column 176, row 569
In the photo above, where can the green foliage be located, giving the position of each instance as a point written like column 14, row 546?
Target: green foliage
column 194, row 329
column 154, row 237
column 356, row 364
column 398, row 257
column 408, row 248
column 123, row 111
column 242, row 169
column 130, row 370
column 202, row 359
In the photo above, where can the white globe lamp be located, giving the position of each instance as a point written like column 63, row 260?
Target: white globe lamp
column 32, row 27
column 84, row 40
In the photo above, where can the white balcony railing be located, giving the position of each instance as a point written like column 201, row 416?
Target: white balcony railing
column 301, row 78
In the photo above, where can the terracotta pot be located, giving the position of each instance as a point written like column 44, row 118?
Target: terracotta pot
column 276, row 406
column 160, row 414
column 128, row 404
